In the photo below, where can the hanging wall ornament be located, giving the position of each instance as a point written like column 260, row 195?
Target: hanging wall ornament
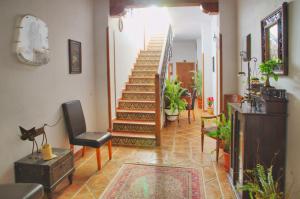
column 32, row 41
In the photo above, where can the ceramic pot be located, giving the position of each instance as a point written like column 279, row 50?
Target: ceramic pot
column 210, row 110
column 199, row 102
column 226, row 161
column 171, row 116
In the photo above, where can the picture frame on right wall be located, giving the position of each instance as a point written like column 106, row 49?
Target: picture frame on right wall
column 274, row 38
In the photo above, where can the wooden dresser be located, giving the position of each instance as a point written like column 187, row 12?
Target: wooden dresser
column 256, row 137
column 33, row 169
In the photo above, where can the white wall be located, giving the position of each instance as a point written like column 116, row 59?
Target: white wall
column 126, row 45
column 184, row 50
column 32, row 96
column 258, row 10
column 100, row 23
column 228, row 29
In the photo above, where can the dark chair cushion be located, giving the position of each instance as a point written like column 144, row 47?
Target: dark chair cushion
column 92, row 139
column 21, row 191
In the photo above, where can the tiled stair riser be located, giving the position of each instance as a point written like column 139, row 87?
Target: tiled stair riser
column 136, row 116
column 141, row 87
column 148, row 106
column 139, row 96
column 133, row 128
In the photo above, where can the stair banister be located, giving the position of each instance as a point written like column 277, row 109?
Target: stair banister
column 160, row 82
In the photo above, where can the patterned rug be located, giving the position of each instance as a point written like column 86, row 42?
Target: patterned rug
column 137, row 181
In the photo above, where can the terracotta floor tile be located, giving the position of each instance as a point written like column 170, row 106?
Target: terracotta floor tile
column 180, row 146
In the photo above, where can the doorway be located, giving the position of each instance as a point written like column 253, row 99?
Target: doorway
column 184, row 72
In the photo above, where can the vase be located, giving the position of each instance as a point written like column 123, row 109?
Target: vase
column 171, row 116
column 199, row 102
column 226, row 161
column 210, row 110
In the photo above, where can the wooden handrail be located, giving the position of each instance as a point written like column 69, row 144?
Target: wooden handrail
column 160, row 82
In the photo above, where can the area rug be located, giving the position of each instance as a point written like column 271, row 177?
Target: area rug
column 137, row 181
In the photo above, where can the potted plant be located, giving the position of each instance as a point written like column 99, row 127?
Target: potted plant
column 173, row 102
column 224, row 134
column 267, row 69
column 210, row 104
column 225, row 131
column 261, row 184
column 198, row 85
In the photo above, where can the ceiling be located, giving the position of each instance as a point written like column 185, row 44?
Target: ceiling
column 187, row 22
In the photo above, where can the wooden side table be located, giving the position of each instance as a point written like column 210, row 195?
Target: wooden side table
column 33, row 169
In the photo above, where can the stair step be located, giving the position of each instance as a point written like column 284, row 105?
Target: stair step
column 133, row 135
column 137, row 104
column 135, row 115
column 151, row 62
column 145, row 67
column 148, row 58
column 140, row 87
column 133, row 139
column 141, row 73
column 132, row 95
column 142, row 80
column 133, row 126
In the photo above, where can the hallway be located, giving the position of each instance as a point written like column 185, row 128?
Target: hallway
column 180, row 147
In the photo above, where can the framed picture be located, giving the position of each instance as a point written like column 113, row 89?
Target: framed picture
column 75, row 57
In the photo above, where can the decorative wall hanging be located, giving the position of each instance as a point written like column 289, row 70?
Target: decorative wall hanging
column 75, row 57
column 32, row 41
column 274, row 38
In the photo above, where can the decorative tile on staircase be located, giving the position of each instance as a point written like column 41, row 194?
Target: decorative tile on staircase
column 140, row 73
column 140, row 87
column 142, row 80
column 136, row 115
column 131, row 95
column 123, row 126
column 136, row 105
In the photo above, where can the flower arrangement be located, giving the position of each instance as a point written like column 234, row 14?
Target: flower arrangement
column 210, row 101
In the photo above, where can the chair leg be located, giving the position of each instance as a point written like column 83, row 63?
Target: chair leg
column 194, row 115
column 83, row 151
column 72, row 148
column 189, row 116
column 98, row 154
column 110, row 149
column 217, row 150
column 202, row 141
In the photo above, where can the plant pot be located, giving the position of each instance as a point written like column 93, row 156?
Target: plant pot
column 199, row 102
column 210, row 110
column 226, row 161
column 171, row 116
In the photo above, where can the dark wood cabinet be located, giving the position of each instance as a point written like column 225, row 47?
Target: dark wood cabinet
column 256, row 137
column 33, row 169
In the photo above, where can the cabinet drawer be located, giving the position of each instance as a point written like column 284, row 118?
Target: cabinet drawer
column 59, row 170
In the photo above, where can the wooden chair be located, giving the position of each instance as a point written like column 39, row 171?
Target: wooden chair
column 190, row 106
column 207, row 130
column 76, row 126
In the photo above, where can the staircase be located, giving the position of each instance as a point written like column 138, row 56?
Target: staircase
column 135, row 116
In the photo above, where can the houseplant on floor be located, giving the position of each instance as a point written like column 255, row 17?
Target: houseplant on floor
column 261, row 184
column 173, row 102
column 198, row 86
column 224, row 134
column 267, row 69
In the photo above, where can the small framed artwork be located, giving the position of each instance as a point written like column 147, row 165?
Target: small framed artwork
column 75, row 57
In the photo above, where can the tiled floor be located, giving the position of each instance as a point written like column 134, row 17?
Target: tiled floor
column 180, row 147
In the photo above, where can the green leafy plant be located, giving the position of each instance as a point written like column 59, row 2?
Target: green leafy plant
column 261, row 184
column 267, row 69
column 173, row 93
column 198, row 82
column 223, row 132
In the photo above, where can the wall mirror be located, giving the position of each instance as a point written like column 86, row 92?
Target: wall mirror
column 274, row 33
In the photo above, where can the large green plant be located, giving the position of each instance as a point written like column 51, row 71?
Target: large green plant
column 173, row 93
column 261, row 184
column 267, row 69
column 198, row 82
